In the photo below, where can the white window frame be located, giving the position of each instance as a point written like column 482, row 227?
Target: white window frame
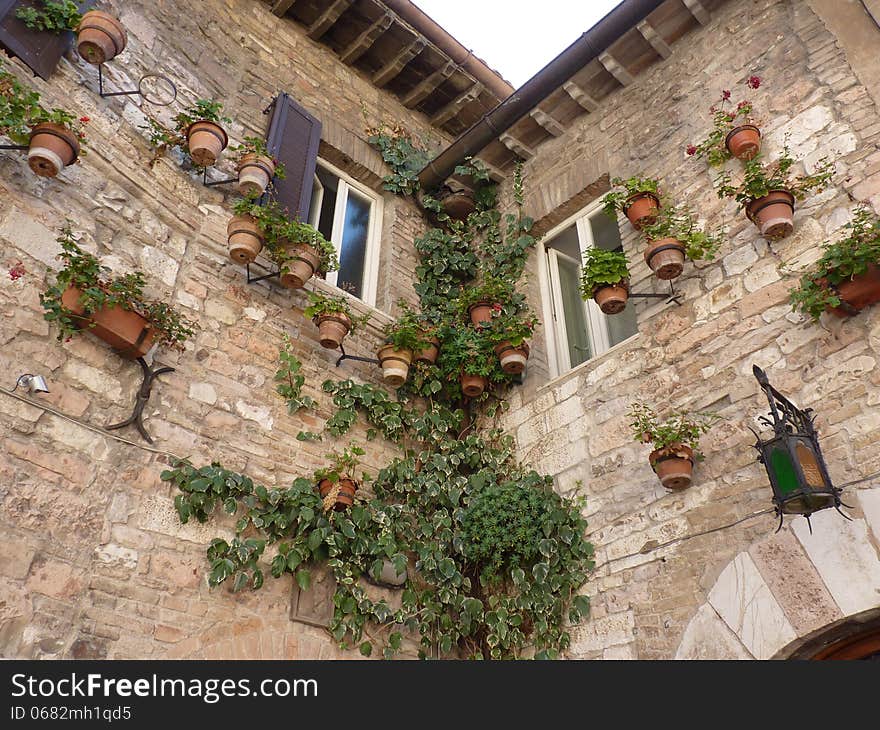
column 558, row 358
column 374, row 232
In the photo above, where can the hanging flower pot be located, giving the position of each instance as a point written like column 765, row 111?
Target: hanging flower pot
column 430, row 353
column 340, row 494
column 126, row 331
column 744, row 141
column 245, row 239
column 855, row 294
column 206, row 141
column 772, row 213
column 100, row 37
column 665, row 257
column 513, row 359
column 480, row 312
column 254, row 174
column 458, row 205
column 395, row 364
column 332, row 329
column 302, row 263
column 52, row 148
column 641, row 209
column 612, row 299
column 473, row 385
column 674, row 465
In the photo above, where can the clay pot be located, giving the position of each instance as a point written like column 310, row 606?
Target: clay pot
column 743, row 142
column 473, row 385
column 857, row 293
column 206, row 141
column 245, row 239
column 665, row 257
column 513, row 359
column 332, row 329
column 255, row 172
column 480, row 312
column 345, row 495
column 301, row 265
column 458, row 206
column 612, row 299
column 641, row 209
column 52, row 148
column 99, row 37
column 772, row 214
column 125, row 331
column 395, row 364
column 674, row 465
column 430, row 353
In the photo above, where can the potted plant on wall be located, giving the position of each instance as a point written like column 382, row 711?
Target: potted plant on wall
column 336, row 482
column 255, row 166
column 673, row 235
column 299, row 250
column 675, row 440
column 768, row 191
column 485, row 300
column 246, row 230
column 197, row 133
column 846, row 279
column 637, row 198
column 403, row 337
column 113, row 309
column 605, row 279
column 333, row 317
column 509, row 336
column 734, row 131
column 467, row 354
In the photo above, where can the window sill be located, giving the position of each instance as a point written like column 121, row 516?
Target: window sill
column 589, row 365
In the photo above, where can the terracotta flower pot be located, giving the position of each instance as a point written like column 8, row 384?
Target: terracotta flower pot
column 332, row 329
column 665, row 257
column 513, row 359
column 127, row 332
column 255, row 172
column 206, row 141
column 612, row 299
column 473, row 385
column 344, row 497
column 857, row 293
column 301, row 265
column 743, row 142
column 245, row 239
column 641, row 209
column 480, row 312
column 395, row 364
column 52, row 148
column 674, row 465
column 100, row 37
column 458, row 206
column 772, row 214
column 430, row 353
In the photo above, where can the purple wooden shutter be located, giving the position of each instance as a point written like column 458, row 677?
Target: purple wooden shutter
column 40, row 51
column 293, row 139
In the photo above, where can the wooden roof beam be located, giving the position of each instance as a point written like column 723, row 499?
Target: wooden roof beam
column 616, row 69
column 457, row 104
column 581, row 97
column 397, row 64
column 360, row 45
column 655, row 39
column 280, row 7
column 698, row 10
column 547, row 122
column 424, row 88
column 326, row 20
column 495, row 173
column 514, row 145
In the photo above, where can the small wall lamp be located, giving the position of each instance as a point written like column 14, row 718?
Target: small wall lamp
column 34, row 383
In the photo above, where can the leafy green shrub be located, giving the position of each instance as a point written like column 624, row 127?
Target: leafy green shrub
column 602, row 268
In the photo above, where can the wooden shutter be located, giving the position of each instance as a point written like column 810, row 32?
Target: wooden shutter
column 40, row 51
column 293, row 139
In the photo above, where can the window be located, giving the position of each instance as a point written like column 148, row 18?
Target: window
column 349, row 215
column 577, row 330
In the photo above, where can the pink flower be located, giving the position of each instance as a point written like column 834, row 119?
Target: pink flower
column 725, row 94
column 754, row 81
column 691, row 150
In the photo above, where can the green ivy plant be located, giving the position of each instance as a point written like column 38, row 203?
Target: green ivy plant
column 840, row 262
column 53, row 16
column 402, row 154
column 602, row 267
column 679, row 427
column 290, row 378
column 679, row 223
column 616, row 199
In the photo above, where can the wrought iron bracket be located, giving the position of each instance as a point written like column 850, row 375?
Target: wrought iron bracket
column 143, row 395
column 214, row 183
column 672, row 297
column 255, row 279
column 14, row 146
column 343, row 356
column 139, row 90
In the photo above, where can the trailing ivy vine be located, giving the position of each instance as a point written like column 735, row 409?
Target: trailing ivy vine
column 493, row 557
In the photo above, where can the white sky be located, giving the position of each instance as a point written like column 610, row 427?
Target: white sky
column 516, row 37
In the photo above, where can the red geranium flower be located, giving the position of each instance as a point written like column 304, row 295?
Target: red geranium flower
column 17, row 271
column 754, row 81
column 691, row 149
column 725, row 94
column 85, row 120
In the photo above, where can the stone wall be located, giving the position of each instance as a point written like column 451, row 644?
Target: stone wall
column 729, row 592
column 94, row 561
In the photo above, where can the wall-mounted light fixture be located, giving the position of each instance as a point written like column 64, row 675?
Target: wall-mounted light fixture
column 34, row 383
column 792, row 457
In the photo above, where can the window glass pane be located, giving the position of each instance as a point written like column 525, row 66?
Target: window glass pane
column 579, row 349
column 606, row 235
column 354, row 243
column 328, row 204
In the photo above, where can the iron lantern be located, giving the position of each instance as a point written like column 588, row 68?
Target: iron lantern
column 793, row 459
